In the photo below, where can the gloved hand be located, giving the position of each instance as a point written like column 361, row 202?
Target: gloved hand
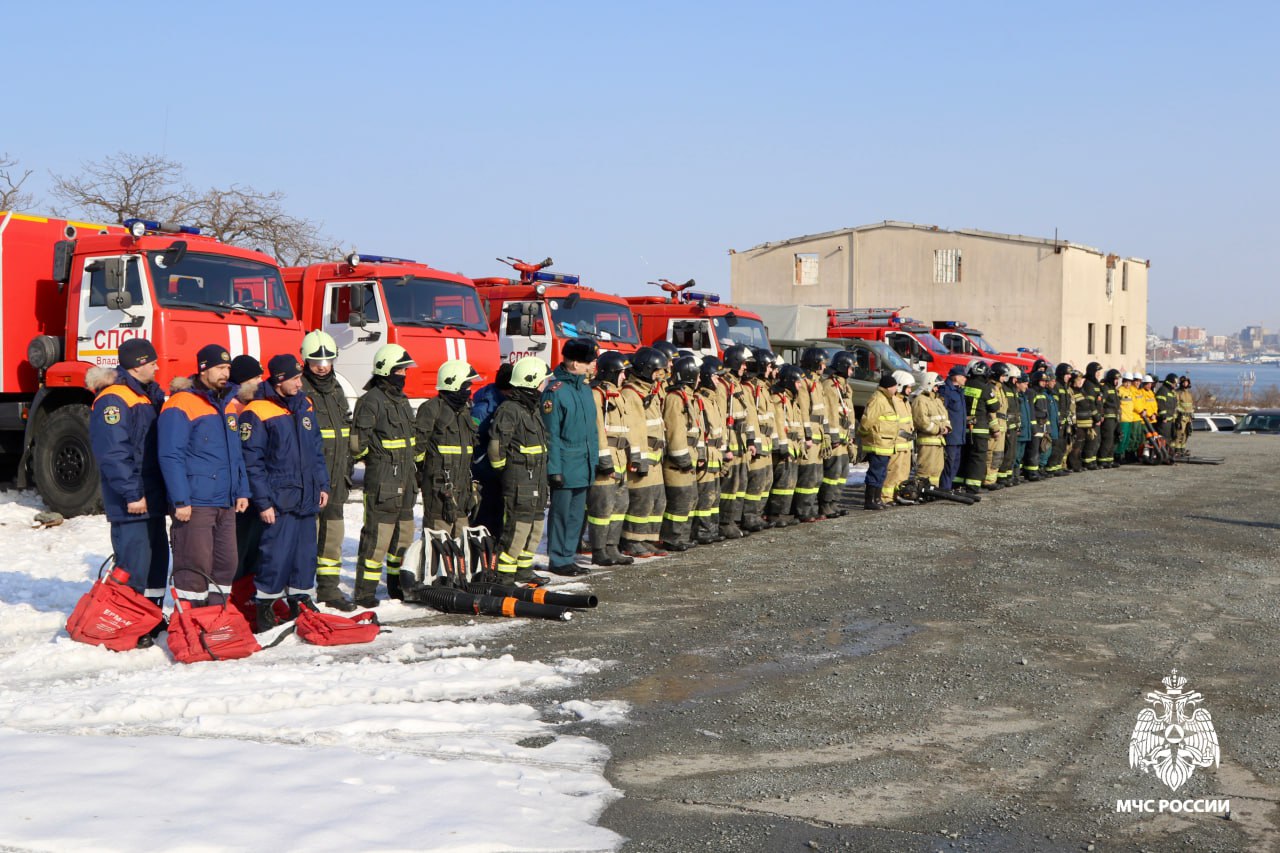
column 556, row 481
column 685, row 467
column 604, row 467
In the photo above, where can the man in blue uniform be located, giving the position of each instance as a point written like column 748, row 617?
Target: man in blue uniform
column 953, row 399
column 288, row 486
column 568, row 409
column 122, row 430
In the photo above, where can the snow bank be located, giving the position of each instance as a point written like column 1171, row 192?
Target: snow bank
column 433, row 737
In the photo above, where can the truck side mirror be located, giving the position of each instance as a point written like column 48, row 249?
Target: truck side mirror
column 119, row 300
column 63, row 253
column 525, row 324
column 356, row 320
column 113, row 269
column 173, row 255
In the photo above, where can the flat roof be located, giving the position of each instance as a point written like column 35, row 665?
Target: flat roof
column 968, row 232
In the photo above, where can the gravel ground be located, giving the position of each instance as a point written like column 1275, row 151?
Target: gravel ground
column 948, row 677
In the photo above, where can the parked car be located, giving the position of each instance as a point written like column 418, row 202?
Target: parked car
column 1203, row 423
column 1265, row 421
column 1212, row 422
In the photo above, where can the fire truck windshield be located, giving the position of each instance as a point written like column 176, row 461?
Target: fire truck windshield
column 889, row 356
column 931, row 343
column 592, row 318
column 744, row 331
column 219, row 282
column 433, row 304
column 984, row 346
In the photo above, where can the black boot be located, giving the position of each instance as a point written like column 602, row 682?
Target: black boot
column 600, row 557
column 264, row 615
column 618, row 558
column 393, row 585
column 871, row 499
column 299, row 602
column 329, row 594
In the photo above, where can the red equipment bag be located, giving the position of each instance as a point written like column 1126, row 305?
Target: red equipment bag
column 112, row 613
column 209, row 633
column 330, row 629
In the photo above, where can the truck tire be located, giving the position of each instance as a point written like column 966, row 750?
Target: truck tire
column 65, row 472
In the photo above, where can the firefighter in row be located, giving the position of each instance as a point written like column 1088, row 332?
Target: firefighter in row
column 1092, row 391
column 518, row 452
column 621, row 442
column 813, row 411
column 932, row 423
column 646, row 495
column 981, row 405
column 878, row 431
column 682, row 429
column 1167, row 407
column 1013, row 383
column 706, row 512
column 288, row 486
column 999, row 426
column 122, row 433
column 333, row 418
column 568, row 408
column 740, row 437
column 1185, row 412
column 199, row 451
column 762, row 372
column 1130, row 422
column 1109, row 424
column 384, row 437
column 841, row 423
column 445, row 438
column 788, row 446
column 957, row 410
column 899, row 471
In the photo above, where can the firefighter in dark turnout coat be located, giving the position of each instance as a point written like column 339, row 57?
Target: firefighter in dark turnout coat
column 518, row 451
column 446, row 437
column 385, row 439
column 333, row 418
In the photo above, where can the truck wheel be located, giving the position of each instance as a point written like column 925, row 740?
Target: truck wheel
column 66, row 474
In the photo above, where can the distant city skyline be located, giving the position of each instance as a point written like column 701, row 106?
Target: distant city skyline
column 637, row 142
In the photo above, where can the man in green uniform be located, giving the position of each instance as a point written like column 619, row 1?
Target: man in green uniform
column 568, row 408
column 385, row 440
column 333, row 418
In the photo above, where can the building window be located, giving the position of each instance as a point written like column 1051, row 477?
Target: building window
column 806, row 269
column 1106, row 340
column 1124, row 340
column 1124, row 276
column 946, row 266
column 1092, row 329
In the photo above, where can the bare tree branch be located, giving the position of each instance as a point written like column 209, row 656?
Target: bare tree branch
column 243, row 216
column 12, row 196
column 124, row 185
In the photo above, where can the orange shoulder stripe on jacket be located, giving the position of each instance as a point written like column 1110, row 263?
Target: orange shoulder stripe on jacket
column 192, row 405
column 126, row 394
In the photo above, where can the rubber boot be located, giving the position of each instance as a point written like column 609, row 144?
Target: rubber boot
column 393, row 585
column 264, row 615
column 871, row 499
column 600, row 557
column 366, row 593
column 298, row 603
column 618, row 558
column 330, row 594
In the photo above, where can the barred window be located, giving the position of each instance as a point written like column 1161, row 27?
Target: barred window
column 806, row 269
column 946, row 266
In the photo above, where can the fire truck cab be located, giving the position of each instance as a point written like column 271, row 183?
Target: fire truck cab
column 72, row 292
column 368, row 301
column 537, row 313
column 696, row 321
column 910, row 338
column 959, row 337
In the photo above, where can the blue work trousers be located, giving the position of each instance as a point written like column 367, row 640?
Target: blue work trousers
column 142, row 549
column 564, row 525
column 877, row 470
column 951, row 466
column 287, row 556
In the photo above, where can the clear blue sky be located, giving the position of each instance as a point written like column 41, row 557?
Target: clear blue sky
column 635, row 141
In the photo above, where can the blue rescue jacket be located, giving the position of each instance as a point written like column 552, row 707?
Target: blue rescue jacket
column 199, row 444
column 122, row 431
column 569, row 411
column 484, row 405
column 1026, row 431
column 283, row 453
column 1053, row 416
column 953, row 399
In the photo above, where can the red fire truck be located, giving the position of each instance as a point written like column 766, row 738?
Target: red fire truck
column 910, row 338
column 696, row 321
column 536, row 313
column 368, row 301
column 960, row 337
column 71, row 292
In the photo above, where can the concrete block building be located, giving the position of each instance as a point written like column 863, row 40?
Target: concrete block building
column 1072, row 302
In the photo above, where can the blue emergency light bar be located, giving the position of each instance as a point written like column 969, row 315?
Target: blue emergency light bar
column 138, row 227
column 357, row 258
column 695, row 296
column 556, row 278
